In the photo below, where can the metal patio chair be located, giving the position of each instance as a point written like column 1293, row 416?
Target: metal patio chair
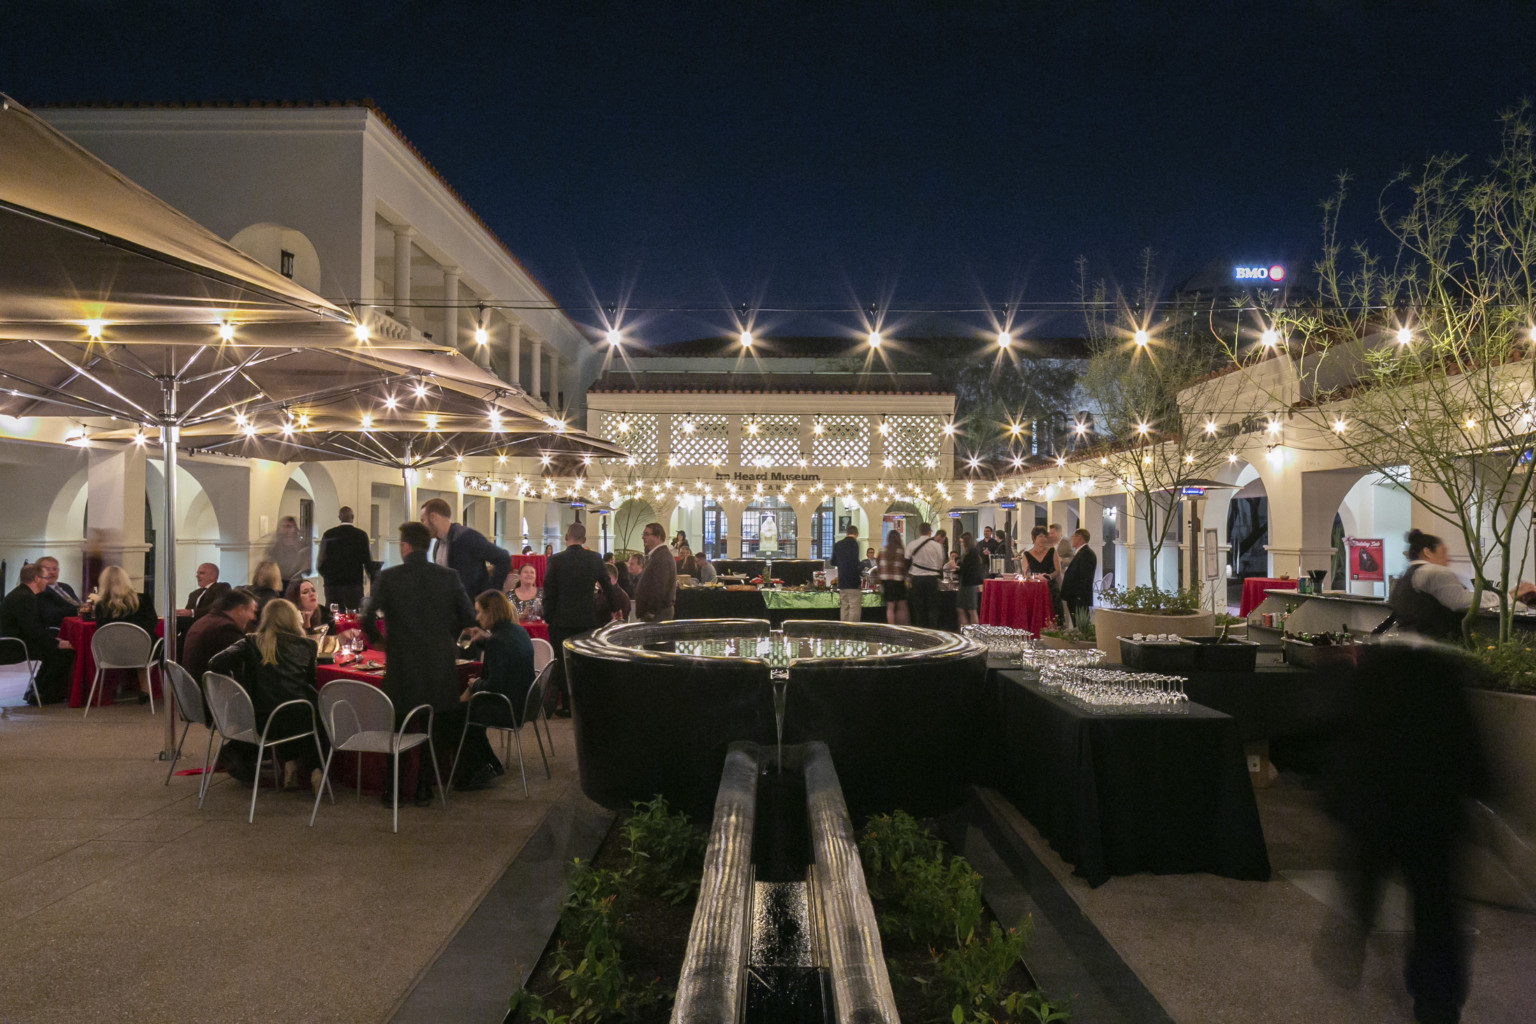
column 492, row 702
column 234, row 718
column 360, row 718
column 191, row 710
column 16, row 643
column 120, row 645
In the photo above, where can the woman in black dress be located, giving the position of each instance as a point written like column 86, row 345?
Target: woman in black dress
column 1041, row 558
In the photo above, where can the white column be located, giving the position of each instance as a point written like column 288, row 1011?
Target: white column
column 514, row 351
column 537, row 363
column 450, row 307
column 554, row 378
column 403, row 273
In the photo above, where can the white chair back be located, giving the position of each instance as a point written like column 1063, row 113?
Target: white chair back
column 543, row 653
column 189, row 696
column 350, row 706
column 233, row 713
column 121, row 645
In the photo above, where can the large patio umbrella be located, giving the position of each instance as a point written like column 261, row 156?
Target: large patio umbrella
column 115, row 306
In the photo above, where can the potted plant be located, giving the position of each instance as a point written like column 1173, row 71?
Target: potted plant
column 1080, row 635
column 1131, row 610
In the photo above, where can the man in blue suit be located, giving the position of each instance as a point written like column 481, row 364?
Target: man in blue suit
column 480, row 564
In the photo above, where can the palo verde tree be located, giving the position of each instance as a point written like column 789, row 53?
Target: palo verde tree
column 1143, row 355
column 1416, row 360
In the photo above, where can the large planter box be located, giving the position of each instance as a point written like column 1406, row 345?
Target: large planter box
column 1110, row 624
column 1232, row 656
column 1157, row 656
column 1314, row 656
column 1507, row 724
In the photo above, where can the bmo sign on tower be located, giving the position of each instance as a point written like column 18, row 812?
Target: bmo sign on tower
column 1273, row 272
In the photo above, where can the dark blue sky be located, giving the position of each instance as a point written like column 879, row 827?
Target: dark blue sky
column 835, row 154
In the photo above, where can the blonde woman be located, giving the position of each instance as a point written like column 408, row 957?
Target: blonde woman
column 266, row 584
column 276, row 664
column 115, row 600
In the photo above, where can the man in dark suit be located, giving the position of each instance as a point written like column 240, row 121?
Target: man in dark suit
column 57, row 601
column 1078, row 579
column 344, row 557
column 426, row 608
column 226, row 623
column 465, row 551
column 656, row 593
column 202, row 600
column 570, row 579
column 21, row 617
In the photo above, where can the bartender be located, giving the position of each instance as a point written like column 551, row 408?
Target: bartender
column 1429, row 598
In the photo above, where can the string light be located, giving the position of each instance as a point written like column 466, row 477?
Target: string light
column 1142, row 338
column 421, row 389
column 367, row 422
column 614, row 337
column 1269, row 338
column 226, row 331
column 1404, row 336
column 1005, row 340
column 746, row 339
column 1338, row 426
column 360, row 331
column 875, row 339
column 1210, row 426
column 482, row 336
column 93, row 329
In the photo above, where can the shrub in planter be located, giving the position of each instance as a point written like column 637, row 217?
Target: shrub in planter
column 1128, row 611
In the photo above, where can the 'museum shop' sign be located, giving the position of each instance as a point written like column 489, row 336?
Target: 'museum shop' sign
column 767, row 477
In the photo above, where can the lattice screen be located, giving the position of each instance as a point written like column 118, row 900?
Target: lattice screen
column 708, row 441
column 776, row 441
column 640, row 438
column 912, row 439
column 843, row 441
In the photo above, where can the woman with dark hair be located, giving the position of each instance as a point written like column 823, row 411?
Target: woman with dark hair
column 506, row 667
column 301, row 593
column 1429, row 598
column 893, row 578
column 970, row 575
column 276, row 664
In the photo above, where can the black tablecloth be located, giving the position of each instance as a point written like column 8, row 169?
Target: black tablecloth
column 1119, row 794
column 1272, row 701
column 717, row 603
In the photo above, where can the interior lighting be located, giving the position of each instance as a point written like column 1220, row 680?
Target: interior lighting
column 1142, row 338
column 1017, row 462
column 304, row 419
column 432, row 421
column 93, row 329
column 360, row 332
column 1103, row 460
column 139, row 439
column 1015, row 429
column 1005, row 340
column 250, row 430
column 482, row 336
column 226, row 331
column 1404, row 336
column 421, row 390
column 239, row 419
column 875, row 339
column 746, row 339
column 367, row 422
column 389, row 401
column 287, row 428
column 544, row 459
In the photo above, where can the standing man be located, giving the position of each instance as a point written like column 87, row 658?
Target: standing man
column 927, row 558
column 1077, row 581
column 656, row 592
column 202, row 600
column 426, row 608
column 845, row 561
column 465, row 551
column 570, row 578
column 344, row 558
column 21, row 617
column 58, row 601
column 636, row 565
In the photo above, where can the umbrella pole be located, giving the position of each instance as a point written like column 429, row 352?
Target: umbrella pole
column 410, row 499
column 169, row 435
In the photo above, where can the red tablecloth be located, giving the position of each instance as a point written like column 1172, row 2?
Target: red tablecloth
column 1253, row 592
column 1020, row 604
column 518, row 561
column 376, row 766
column 79, row 632
column 538, row 629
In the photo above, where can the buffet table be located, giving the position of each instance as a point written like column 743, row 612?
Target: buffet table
column 1253, row 592
column 78, row 633
column 1020, row 604
column 1117, row 794
column 777, row 606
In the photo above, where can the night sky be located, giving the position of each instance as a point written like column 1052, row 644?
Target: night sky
column 810, row 156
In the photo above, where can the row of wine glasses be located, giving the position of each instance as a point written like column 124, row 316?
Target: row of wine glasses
column 1113, row 691
column 1002, row 641
column 1039, row 658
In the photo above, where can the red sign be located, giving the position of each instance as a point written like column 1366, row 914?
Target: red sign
column 1366, row 561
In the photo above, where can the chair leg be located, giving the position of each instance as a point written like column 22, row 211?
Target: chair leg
column 177, row 755
column 208, row 762
column 521, row 769
column 37, row 695
column 149, row 688
column 538, row 739
column 256, row 782
column 325, row 779
column 545, row 719
column 441, row 789
column 95, row 681
column 395, row 760
column 453, row 770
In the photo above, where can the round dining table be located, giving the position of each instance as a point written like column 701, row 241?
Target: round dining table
column 1019, row 604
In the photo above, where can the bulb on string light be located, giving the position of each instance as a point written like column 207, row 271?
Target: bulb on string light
column 1404, row 336
column 1142, row 338
column 226, row 331
column 421, row 390
column 1338, row 426
column 482, row 336
column 360, row 332
column 1269, row 338
column 389, row 401
column 615, row 339
column 93, row 329
column 1005, row 340
column 875, row 339
column 1210, row 426
column 367, row 422
column 746, row 339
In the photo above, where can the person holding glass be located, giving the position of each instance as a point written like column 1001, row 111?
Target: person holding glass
column 317, row 617
column 527, row 597
column 506, row 659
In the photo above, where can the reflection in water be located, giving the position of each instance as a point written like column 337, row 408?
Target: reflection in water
column 777, row 650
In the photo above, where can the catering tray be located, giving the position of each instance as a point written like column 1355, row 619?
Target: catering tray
column 1232, row 656
column 1319, row 656
column 1157, row 655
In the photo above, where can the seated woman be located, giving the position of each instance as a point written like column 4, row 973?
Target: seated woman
column 506, row 660
column 275, row 664
column 266, row 584
column 115, row 600
column 526, row 596
column 303, row 596
column 687, row 565
column 1429, row 598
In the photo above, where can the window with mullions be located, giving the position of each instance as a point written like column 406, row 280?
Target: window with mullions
column 823, row 524
column 714, row 530
column 759, row 539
